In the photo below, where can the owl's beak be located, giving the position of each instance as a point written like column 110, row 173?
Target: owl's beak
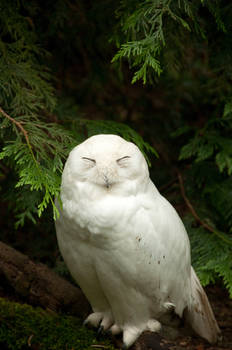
column 106, row 180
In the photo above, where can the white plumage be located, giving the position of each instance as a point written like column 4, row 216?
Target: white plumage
column 124, row 243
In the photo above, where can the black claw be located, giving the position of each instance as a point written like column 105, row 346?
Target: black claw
column 85, row 323
column 100, row 331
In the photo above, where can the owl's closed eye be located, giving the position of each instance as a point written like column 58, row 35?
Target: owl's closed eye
column 89, row 161
column 123, row 162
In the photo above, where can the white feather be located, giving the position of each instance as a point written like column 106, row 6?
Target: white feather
column 122, row 241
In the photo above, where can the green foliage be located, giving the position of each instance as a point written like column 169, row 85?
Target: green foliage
column 158, row 33
column 31, row 144
column 57, row 87
column 211, row 147
column 212, row 142
column 211, row 194
column 25, row 327
column 37, row 159
column 27, row 94
column 24, row 82
column 147, row 27
column 211, row 255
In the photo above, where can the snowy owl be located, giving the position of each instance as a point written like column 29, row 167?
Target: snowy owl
column 125, row 244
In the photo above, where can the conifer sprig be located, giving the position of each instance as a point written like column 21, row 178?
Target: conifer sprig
column 39, row 160
column 145, row 30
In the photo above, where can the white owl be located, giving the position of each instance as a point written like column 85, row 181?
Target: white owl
column 125, row 244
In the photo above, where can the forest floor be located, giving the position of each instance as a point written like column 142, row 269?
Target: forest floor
column 222, row 306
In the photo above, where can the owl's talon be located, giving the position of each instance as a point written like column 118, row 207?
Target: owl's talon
column 130, row 335
column 115, row 329
column 100, row 330
column 86, row 323
column 169, row 306
column 153, row 326
column 93, row 320
column 107, row 322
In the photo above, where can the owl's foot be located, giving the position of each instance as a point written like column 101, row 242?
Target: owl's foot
column 115, row 329
column 153, row 325
column 131, row 334
column 100, row 320
column 93, row 319
column 169, row 307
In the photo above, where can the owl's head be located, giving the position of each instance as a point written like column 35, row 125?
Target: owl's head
column 106, row 161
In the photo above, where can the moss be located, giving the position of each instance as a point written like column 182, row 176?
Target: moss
column 25, row 327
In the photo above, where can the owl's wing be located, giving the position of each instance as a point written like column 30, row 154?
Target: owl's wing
column 166, row 240
column 200, row 315
column 185, row 288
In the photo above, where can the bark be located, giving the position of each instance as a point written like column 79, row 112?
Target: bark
column 39, row 285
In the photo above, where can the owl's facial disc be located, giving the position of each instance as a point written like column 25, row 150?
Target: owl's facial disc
column 105, row 172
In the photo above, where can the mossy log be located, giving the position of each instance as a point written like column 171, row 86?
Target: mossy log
column 39, row 285
column 25, row 327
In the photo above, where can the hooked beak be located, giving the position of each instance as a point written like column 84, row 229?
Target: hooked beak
column 106, row 180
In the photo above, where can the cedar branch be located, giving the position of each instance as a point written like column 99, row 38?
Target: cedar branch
column 18, row 124
column 25, row 133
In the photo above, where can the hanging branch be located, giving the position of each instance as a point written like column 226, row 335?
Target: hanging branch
column 46, row 187
column 19, row 126
column 25, row 133
column 195, row 215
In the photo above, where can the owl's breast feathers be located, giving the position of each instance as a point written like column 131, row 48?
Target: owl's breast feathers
column 100, row 211
column 115, row 217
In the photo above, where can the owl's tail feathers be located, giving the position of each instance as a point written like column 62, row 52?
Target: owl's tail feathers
column 200, row 315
